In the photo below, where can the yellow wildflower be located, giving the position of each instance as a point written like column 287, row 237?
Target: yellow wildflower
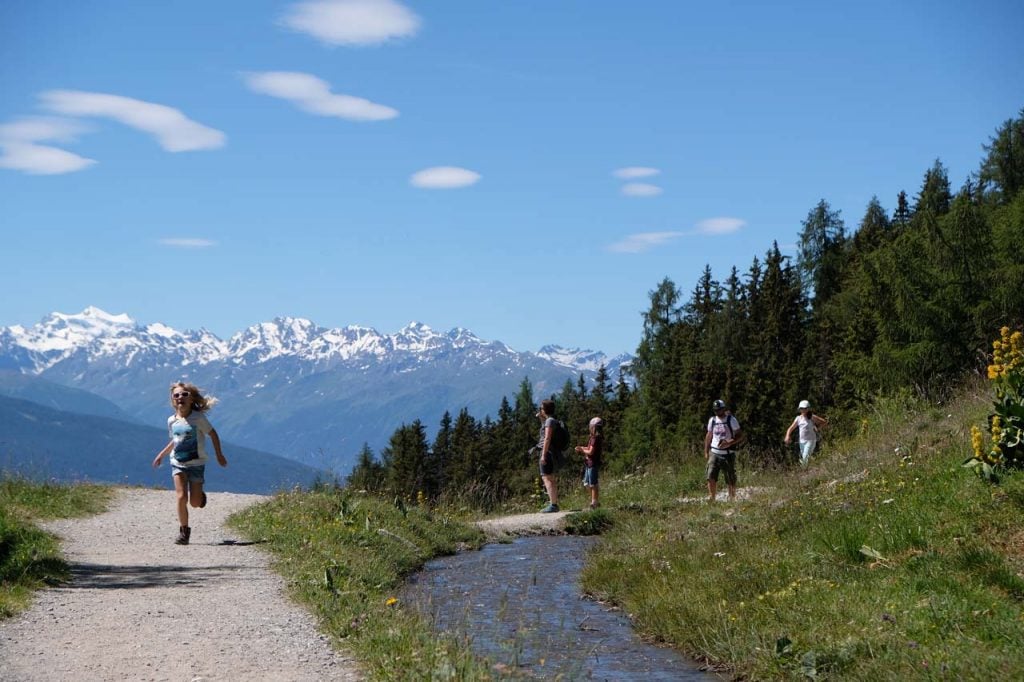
column 391, row 601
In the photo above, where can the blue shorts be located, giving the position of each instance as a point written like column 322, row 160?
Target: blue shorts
column 194, row 474
column 590, row 477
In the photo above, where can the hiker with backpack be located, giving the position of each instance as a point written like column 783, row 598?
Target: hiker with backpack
column 808, row 424
column 723, row 436
column 554, row 439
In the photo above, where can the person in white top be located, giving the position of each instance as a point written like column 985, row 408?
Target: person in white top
column 188, row 428
column 723, row 435
column 808, row 424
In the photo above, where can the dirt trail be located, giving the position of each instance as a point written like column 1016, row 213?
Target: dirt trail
column 523, row 524
column 140, row 607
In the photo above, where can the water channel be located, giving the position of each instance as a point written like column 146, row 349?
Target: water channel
column 521, row 605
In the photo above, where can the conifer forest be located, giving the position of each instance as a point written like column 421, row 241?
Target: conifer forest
column 903, row 299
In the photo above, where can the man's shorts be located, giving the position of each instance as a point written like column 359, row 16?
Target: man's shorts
column 192, row 474
column 547, row 466
column 725, row 463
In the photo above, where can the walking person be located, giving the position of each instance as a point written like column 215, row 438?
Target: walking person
column 808, row 424
column 723, row 436
column 188, row 428
column 548, row 452
column 592, row 459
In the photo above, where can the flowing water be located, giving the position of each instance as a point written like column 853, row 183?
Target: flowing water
column 521, row 605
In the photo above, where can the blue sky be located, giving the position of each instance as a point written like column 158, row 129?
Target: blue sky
column 529, row 170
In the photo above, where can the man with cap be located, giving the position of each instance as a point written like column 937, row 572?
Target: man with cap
column 808, row 424
column 720, row 442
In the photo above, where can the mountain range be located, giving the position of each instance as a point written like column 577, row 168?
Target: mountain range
column 308, row 393
column 42, row 443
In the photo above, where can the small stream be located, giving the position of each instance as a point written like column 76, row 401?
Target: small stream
column 521, row 605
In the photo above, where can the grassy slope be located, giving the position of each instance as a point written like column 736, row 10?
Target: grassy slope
column 874, row 563
column 29, row 557
column 344, row 556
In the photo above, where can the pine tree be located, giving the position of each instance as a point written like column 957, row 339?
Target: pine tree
column 406, row 460
column 1003, row 166
column 873, row 230
column 368, row 473
column 902, row 215
column 821, row 251
column 935, row 196
column 440, row 458
column 776, row 376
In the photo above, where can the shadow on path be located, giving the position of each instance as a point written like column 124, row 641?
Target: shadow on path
column 100, row 576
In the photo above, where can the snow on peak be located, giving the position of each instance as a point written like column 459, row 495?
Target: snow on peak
column 94, row 334
column 573, row 357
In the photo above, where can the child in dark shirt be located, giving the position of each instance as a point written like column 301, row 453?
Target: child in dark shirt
column 592, row 459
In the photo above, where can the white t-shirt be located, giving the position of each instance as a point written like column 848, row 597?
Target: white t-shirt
column 189, row 436
column 808, row 431
column 720, row 430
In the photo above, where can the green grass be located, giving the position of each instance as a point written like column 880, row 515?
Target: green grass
column 29, row 557
column 345, row 555
column 883, row 560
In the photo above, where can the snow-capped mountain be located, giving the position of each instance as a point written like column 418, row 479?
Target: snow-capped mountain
column 290, row 386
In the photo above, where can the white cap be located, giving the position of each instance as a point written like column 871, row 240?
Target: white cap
column 804, row 405
column 596, row 421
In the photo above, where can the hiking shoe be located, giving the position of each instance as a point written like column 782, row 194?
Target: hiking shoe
column 550, row 508
column 183, row 535
column 202, row 502
column 594, row 505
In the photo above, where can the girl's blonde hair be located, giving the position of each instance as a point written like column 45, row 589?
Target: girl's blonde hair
column 200, row 403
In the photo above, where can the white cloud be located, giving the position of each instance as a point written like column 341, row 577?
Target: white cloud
column 444, row 177
column 714, row 226
column 640, row 189
column 20, row 148
column 353, row 22
column 644, row 241
column 633, row 172
column 174, row 131
column 188, row 242
column 313, row 95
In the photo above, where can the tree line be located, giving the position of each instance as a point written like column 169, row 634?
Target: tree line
column 904, row 302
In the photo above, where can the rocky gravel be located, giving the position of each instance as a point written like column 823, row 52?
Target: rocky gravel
column 139, row 607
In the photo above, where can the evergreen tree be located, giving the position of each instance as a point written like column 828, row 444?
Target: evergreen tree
column 600, row 395
column 821, row 251
column 1003, row 166
column 406, row 460
column 652, row 368
column 902, row 215
column 935, row 196
column 368, row 473
column 466, row 463
column 873, row 230
column 777, row 379
column 440, row 458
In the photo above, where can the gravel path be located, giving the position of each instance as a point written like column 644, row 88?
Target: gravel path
column 140, row 607
column 524, row 524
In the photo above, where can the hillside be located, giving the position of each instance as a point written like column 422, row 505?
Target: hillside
column 884, row 559
column 43, row 443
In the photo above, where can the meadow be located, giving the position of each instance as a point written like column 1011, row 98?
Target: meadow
column 884, row 559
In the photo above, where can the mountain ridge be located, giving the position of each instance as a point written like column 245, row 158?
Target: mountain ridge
column 290, row 386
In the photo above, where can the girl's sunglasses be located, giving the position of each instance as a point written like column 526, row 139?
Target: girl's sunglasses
column 181, row 394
